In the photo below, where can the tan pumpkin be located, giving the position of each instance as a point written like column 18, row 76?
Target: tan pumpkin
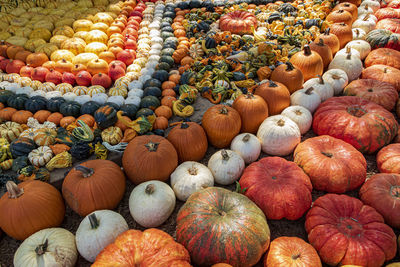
column 32, row 44
column 64, row 30
column 47, row 49
column 40, row 33
column 58, row 40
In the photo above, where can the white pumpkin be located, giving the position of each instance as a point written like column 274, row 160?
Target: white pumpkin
column 134, row 100
column 100, row 98
column 40, row 156
column 24, row 90
column 359, row 34
column 136, row 92
column 350, row 64
column 116, row 99
column 97, row 230
column 53, row 94
column 324, row 89
column 369, row 16
column 38, row 93
column 367, row 23
column 363, row 47
column 348, row 51
column 69, row 96
column 279, row 135
column 48, row 247
column 189, row 177
column 374, row 5
column 337, row 78
column 307, row 98
column 226, row 166
column 248, row 146
column 151, row 203
column 300, row 115
column 365, row 9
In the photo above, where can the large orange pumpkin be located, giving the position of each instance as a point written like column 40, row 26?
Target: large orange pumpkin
column 383, row 56
column 238, row 22
column 309, row 62
column 149, row 157
column 189, row 140
column 383, row 73
column 222, row 124
column 275, row 94
column 94, row 185
column 151, row 247
column 388, row 159
column 291, row 252
column 253, row 110
column 29, row 207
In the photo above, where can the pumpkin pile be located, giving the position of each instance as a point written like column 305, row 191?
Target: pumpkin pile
column 300, row 96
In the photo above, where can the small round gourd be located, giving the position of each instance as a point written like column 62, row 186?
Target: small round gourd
column 226, row 166
column 307, row 98
column 190, row 177
column 97, row 230
column 151, row 203
column 300, row 115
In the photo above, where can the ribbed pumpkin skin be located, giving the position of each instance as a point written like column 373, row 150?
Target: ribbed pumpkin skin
column 105, row 117
column 388, row 159
column 189, row 140
column 143, row 161
column 345, row 231
column 40, row 206
column 381, row 93
column 216, row 225
column 22, row 146
column 222, row 124
column 359, row 122
column 384, row 56
column 381, row 191
column 332, row 164
column 104, row 189
column 279, row 187
column 149, row 248
column 291, row 252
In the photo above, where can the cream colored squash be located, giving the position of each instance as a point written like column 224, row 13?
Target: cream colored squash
column 366, row 22
column 47, row 247
column 58, row 40
column 81, row 35
column 151, row 203
column 226, row 166
column 97, row 230
column 325, row 90
column 337, row 78
column 99, row 26
column 248, row 146
column 279, row 135
column 350, row 64
column 40, row 156
column 189, row 177
column 300, row 115
column 307, row 98
column 363, row 47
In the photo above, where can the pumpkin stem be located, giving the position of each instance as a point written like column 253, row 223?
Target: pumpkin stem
column 184, row 125
column 193, row 170
column 298, row 112
column 223, row 110
column 307, row 50
column 309, row 91
column 327, row 31
column 94, row 222
column 289, row 66
column 348, row 49
column 272, row 84
column 295, row 257
column 348, row 57
column 335, row 77
column 321, row 80
column 281, row 123
column 246, row 138
column 395, row 191
column 385, row 70
column 327, row 154
column 365, row 19
column 13, row 190
column 42, row 248
column 225, row 155
column 86, row 172
column 249, row 95
column 149, row 189
column 321, row 42
column 358, row 31
column 152, row 147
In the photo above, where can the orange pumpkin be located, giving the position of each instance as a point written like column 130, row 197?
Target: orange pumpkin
column 309, row 62
column 36, row 59
column 88, row 119
column 222, row 124
column 84, row 186
column 163, row 111
column 21, row 116
column 35, row 205
column 383, row 56
column 330, row 40
column 149, row 157
column 275, row 94
column 97, row 66
column 323, row 50
column 384, row 74
column 168, row 85
column 13, row 50
column 288, row 75
column 22, row 55
column 349, row 7
column 63, row 66
column 160, row 123
column 7, row 113
column 55, row 118
column 152, row 247
column 64, row 122
column 168, row 92
column 168, row 101
column 291, row 252
column 42, row 115
column 59, row 148
column 175, row 78
column 253, row 110
column 340, row 15
column 108, row 56
column 343, row 32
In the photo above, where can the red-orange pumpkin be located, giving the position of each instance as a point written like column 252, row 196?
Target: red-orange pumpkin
column 365, row 125
column 388, row 159
column 149, row 157
column 189, row 140
column 383, row 56
column 7, row 113
column 55, row 118
column 36, row 59
column 21, row 116
column 332, row 164
column 382, row 192
column 279, row 187
column 85, row 185
column 222, row 124
column 238, row 22
column 291, row 252
column 151, row 247
column 383, row 73
column 391, row 24
column 35, row 205
column 344, row 231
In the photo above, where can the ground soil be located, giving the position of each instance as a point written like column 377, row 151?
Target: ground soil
column 8, row 246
